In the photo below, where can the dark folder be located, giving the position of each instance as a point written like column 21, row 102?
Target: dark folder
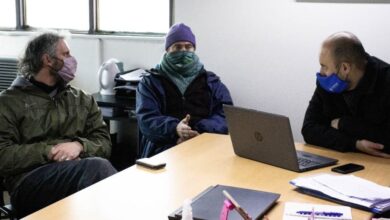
column 208, row 204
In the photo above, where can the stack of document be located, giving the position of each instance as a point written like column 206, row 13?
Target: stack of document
column 346, row 189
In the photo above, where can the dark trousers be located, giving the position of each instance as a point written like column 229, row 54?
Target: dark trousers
column 52, row 182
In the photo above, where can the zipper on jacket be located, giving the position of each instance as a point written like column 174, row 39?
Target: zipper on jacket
column 55, row 102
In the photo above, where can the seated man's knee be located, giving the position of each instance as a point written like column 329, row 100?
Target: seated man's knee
column 92, row 170
column 96, row 168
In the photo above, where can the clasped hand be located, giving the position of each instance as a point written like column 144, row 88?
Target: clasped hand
column 184, row 131
column 65, row 151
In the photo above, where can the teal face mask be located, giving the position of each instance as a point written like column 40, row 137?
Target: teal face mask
column 181, row 59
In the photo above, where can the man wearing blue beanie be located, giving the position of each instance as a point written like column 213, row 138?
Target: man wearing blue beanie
column 179, row 99
column 179, row 32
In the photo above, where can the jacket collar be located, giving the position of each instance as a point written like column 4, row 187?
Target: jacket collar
column 23, row 83
column 370, row 77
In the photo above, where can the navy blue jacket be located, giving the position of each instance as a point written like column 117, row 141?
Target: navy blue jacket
column 364, row 112
column 158, row 130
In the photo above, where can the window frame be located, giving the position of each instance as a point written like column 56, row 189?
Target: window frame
column 21, row 21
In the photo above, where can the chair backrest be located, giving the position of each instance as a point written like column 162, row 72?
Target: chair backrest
column 6, row 211
column 2, row 191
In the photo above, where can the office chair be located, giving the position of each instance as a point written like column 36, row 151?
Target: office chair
column 6, row 211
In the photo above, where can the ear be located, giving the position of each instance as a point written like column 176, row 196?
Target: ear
column 345, row 67
column 46, row 60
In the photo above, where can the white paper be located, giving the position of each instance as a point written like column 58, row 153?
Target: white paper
column 309, row 183
column 362, row 188
column 348, row 188
column 133, row 76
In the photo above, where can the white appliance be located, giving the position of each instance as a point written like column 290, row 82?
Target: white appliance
column 107, row 72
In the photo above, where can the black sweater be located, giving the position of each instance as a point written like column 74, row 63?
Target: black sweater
column 364, row 112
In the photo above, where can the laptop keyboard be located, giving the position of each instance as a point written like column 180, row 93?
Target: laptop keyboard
column 303, row 162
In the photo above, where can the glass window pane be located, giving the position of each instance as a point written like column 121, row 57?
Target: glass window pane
column 58, row 14
column 134, row 15
column 7, row 14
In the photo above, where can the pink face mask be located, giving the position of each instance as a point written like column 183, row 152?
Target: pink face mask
column 68, row 71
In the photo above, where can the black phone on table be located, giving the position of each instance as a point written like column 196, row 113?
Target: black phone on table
column 348, row 168
column 149, row 163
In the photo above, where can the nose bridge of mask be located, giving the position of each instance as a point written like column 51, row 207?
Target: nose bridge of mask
column 71, row 61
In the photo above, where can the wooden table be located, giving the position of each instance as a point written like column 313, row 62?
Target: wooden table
column 140, row 193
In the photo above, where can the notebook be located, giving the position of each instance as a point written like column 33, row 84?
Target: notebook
column 267, row 138
column 208, row 204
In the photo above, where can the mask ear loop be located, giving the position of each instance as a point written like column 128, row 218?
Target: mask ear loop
column 338, row 67
column 57, row 59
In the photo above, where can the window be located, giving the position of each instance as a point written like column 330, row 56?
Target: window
column 134, row 15
column 69, row 14
column 93, row 16
column 7, row 14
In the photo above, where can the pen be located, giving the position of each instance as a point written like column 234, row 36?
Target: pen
column 312, row 215
column 239, row 209
column 327, row 214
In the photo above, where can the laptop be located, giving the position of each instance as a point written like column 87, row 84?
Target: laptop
column 267, row 138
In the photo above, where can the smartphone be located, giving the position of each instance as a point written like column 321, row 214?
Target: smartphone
column 347, row 168
column 149, row 163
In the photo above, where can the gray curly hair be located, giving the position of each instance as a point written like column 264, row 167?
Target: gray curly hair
column 31, row 62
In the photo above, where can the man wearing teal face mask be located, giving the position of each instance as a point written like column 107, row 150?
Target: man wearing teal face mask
column 350, row 108
column 179, row 99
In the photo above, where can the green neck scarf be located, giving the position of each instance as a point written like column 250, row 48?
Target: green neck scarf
column 181, row 67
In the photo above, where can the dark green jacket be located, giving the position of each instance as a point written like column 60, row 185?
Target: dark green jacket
column 32, row 122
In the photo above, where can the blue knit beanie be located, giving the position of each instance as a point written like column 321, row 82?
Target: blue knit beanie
column 179, row 32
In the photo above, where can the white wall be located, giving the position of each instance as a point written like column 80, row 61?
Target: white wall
column 134, row 52
column 265, row 51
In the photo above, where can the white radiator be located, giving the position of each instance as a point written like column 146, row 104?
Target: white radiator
column 8, row 72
